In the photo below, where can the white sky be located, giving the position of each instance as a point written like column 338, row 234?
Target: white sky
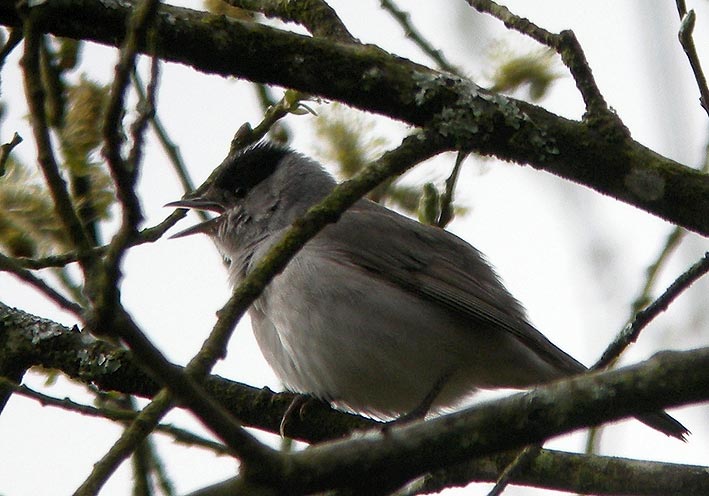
column 575, row 259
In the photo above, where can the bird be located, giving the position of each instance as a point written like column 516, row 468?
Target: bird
column 377, row 314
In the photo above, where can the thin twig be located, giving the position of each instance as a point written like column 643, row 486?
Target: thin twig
column 114, row 414
column 564, row 43
column 686, row 29
column 265, row 98
column 124, row 172
column 521, row 462
column 446, row 214
column 290, row 103
column 671, row 243
column 279, row 132
column 146, row 114
column 630, row 333
column 639, row 303
column 12, row 41
column 158, row 469
column 171, row 149
column 5, row 150
column 140, row 465
column 136, row 432
column 74, row 289
column 147, row 235
column 404, row 20
column 8, row 264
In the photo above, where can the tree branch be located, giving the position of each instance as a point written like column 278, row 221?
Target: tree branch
column 6, row 149
column 685, row 38
column 579, row 474
column 641, row 319
column 34, row 89
column 564, row 43
column 464, row 115
column 403, row 453
column 27, row 340
column 8, row 264
column 114, row 414
column 412, row 33
column 500, row 425
column 315, row 15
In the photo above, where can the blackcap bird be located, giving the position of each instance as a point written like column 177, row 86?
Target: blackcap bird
column 377, row 313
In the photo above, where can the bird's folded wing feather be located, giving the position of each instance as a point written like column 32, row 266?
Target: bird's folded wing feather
column 435, row 265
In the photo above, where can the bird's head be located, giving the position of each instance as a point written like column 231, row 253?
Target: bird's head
column 256, row 192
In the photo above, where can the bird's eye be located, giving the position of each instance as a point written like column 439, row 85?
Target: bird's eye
column 239, row 192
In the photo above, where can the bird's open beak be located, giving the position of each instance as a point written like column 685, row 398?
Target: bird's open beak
column 198, row 204
column 205, row 227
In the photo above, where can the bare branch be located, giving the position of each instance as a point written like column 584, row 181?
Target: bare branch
column 124, row 173
column 575, row 473
column 36, row 100
column 686, row 30
column 376, row 461
column 114, row 414
column 315, row 15
column 6, row 149
column 630, row 333
column 130, row 439
column 404, row 20
column 8, row 264
column 10, row 44
column 564, row 43
column 446, row 214
column 465, row 116
column 111, row 367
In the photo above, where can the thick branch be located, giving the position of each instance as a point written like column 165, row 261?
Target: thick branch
column 403, row 453
column 599, row 155
column 37, row 341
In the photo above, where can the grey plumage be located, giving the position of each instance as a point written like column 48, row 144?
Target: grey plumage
column 376, row 311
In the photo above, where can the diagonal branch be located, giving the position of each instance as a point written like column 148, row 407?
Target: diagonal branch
column 564, row 43
column 373, row 461
column 687, row 41
column 9, row 264
column 114, row 414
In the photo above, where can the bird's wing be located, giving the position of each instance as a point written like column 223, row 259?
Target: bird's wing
column 436, row 265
